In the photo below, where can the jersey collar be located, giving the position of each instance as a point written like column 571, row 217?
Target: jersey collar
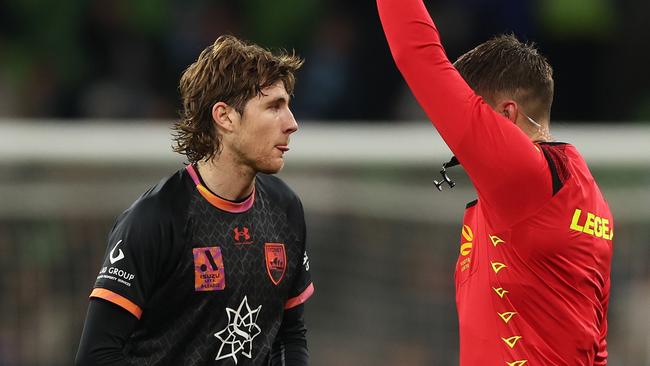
column 218, row 202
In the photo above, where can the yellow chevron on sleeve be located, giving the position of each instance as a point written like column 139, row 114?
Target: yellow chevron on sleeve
column 511, row 341
column 496, row 266
column 517, row 363
column 507, row 316
column 500, row 291
column 496, row 240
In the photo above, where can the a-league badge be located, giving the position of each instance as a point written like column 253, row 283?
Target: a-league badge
column 276, row 261
column 209, row 274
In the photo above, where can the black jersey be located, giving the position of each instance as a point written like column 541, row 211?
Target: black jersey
column 209, row 279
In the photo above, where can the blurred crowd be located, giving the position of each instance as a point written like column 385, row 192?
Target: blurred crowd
column 122, row 59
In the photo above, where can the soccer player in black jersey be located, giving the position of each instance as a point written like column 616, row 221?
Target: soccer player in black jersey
column 209, row 267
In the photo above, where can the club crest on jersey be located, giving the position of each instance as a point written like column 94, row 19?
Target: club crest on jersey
column 276, row 261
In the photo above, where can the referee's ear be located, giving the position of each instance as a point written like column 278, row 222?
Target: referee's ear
column 509, row 109
column 222, row 115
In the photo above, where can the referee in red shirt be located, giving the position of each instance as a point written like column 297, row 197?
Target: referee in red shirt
column 533, row 272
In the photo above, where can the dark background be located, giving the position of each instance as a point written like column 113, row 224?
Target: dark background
column 123, row 59
column 80, row 79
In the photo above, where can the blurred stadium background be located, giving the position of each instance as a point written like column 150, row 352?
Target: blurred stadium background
column 88, row 93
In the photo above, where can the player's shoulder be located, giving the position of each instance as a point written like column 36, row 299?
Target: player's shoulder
column 276, row 188
column 162, row 203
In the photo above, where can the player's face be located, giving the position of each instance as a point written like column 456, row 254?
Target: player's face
column 262, row 135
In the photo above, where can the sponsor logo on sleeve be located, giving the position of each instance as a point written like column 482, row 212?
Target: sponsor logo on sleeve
column 116, row 274
column 113, row 257
column 305, row 261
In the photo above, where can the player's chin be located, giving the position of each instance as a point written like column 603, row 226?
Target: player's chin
column 271, row 166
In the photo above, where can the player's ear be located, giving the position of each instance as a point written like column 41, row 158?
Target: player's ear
column 223, row 115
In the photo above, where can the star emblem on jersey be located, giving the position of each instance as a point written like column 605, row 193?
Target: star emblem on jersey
column 116, row 258
column 237, row 337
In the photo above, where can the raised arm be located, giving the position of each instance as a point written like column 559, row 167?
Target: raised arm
column 496, row 154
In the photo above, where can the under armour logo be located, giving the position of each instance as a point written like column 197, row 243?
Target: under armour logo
column 116, row 258
column 242, row 236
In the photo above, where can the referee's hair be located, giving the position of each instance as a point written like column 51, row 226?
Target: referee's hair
column 505, row 66
column 230, row 71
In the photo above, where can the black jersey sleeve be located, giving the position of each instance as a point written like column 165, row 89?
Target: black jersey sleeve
column 290, row 345
column 106, row 330
column 302, row 287
column 138, row 247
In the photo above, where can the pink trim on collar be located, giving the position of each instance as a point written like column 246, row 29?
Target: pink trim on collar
column 218, row 202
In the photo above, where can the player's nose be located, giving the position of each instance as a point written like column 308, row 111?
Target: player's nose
column 291, row 125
